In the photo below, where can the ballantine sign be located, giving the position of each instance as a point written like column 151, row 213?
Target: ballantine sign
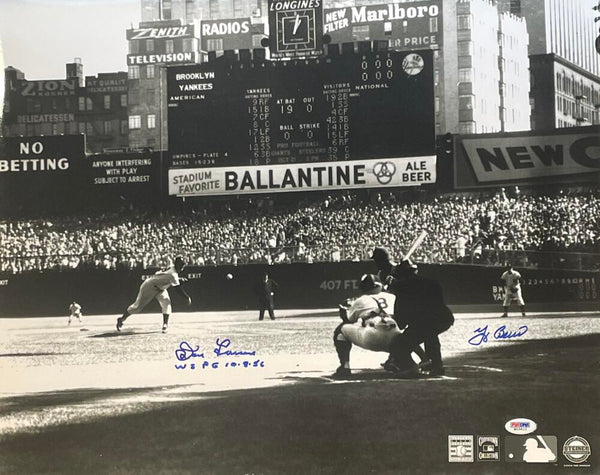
column 519, row 157
column 395, row 172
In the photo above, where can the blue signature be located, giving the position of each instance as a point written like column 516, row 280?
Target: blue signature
column 221, row 345
column 501, row 333
column 186, row 351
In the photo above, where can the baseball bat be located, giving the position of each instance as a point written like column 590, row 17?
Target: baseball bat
column 541, row 439
column 413, row 247
column 415, row 244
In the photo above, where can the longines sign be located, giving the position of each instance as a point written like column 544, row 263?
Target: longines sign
column 385, row 172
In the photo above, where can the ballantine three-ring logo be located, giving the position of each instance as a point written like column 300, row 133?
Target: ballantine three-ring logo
column 384, row 172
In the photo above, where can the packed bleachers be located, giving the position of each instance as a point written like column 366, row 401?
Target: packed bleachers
column 487, row 228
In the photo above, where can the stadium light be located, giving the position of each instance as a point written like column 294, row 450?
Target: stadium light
column 445, row 145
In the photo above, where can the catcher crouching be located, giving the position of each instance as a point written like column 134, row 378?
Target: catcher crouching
column 367, row 324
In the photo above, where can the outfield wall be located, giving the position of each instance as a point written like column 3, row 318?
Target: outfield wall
column 301, row 286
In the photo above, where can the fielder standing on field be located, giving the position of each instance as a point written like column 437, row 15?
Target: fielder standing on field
column 512, row 290
column 75, row 311
column 155, row 287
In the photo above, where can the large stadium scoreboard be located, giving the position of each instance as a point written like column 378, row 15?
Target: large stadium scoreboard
column 353, row 106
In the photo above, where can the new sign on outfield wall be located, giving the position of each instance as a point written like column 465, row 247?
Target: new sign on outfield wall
column 385, row 172
column 493, row 159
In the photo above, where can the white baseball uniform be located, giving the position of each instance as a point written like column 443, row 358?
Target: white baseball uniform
column 155, row 287
column 75, row 310
column 379, row 330
column 512, row 287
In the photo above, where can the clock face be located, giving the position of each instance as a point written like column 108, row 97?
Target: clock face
column 296, row 30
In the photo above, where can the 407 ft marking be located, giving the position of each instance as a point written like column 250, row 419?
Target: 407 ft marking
column 350, row 284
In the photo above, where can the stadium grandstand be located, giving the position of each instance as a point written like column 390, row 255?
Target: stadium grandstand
column 535, row 228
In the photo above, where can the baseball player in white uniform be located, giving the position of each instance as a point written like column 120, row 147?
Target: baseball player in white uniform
column 366, row 323
column 512, row 290
column 155, row 287
column 74, row 311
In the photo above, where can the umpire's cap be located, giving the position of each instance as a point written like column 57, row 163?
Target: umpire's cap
column 368, row 283
column 380, row 253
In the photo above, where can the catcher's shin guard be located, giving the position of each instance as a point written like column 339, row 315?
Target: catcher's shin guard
column 342, row 347
column 343, row 350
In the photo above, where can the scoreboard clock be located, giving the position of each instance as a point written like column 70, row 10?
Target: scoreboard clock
column 296, row 32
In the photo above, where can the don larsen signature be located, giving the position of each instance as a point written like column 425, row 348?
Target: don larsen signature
column 186, row 351
column 501, row 333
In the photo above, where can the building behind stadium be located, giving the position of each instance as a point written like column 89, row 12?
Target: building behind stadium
column 484, row 53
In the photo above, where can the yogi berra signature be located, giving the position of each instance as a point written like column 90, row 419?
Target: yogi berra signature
column 501, row 333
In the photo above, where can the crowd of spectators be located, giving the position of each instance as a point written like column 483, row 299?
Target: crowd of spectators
column 461, row 228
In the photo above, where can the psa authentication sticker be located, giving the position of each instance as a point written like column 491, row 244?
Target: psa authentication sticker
column 413, row 64
column 576, row 449
column 520, row 426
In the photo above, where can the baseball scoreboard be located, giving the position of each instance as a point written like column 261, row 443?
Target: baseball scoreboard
column 339, row 108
